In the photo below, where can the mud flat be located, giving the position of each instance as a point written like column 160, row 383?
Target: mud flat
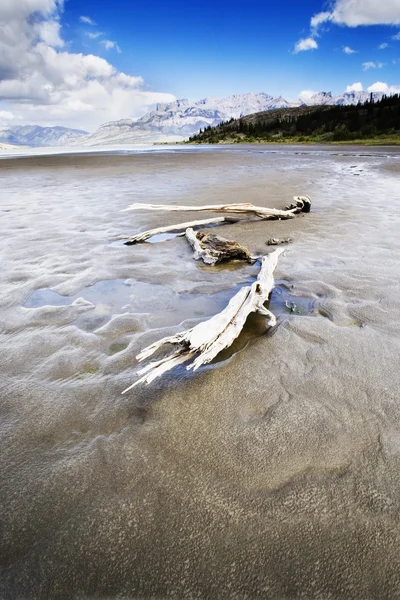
column 275, row 471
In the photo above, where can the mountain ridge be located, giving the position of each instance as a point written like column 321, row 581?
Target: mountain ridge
column 38, row 136
column 174, row 121
column 178, row 120
column 373, row 121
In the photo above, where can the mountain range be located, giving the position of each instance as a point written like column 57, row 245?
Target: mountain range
column 34, row 135
column 371, row 122
column 172, row 122
column 178, row 120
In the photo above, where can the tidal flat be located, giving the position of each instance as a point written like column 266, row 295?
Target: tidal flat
column 273, row 472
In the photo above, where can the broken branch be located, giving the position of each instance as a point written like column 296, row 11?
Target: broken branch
column 179, row 227
column 246, row 208
column 204, row 341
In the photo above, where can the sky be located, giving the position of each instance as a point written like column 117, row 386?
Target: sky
column 81, row 63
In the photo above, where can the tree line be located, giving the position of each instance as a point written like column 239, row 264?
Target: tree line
column 330, row 123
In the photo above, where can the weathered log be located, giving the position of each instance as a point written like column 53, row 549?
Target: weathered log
column 204, row 341
column 213, row 249
column 179, row 228
column 300, row 204
column 246, row 208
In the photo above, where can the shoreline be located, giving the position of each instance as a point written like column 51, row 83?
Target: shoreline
column 233, row 142
column 158, row 149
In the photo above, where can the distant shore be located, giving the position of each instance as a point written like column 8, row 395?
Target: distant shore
column 381, row 141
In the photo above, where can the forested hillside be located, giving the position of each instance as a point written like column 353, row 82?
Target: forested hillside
column 373, row 120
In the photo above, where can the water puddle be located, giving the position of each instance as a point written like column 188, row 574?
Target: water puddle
column 162, row 237
column 162, row 307
column 283, row 302
column 47, row 297
column 108, row 296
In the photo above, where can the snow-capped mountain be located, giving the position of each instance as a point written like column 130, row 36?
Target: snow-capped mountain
column 175, row 121
column 180, row 119
column 345, row 99
column 34, row 135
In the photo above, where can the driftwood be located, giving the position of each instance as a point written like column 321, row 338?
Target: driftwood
column 301, row 203
column 179, row 228
column 203, row 342
column 246, row 208
column 213, row 249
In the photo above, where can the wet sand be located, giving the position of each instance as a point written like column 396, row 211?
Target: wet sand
column 272, row 473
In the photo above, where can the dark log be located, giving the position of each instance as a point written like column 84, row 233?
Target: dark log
column 214, row 249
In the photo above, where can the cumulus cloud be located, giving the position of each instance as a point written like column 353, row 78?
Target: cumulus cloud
column 42, row 82
column 372, row 65
column 86, row 20
column 355, row 87
column 383, row 46
column 49, row 33
column 305, row 44
column 353, row 13
column 380, row 86
column 348, row 50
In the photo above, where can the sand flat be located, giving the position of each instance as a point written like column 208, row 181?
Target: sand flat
column 275, row 471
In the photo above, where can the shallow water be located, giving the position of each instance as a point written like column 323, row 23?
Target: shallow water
column 272, row 472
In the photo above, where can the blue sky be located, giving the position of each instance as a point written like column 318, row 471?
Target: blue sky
column 88, row 61
column 221, row 48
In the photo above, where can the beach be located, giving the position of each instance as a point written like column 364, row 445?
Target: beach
column 273, row 472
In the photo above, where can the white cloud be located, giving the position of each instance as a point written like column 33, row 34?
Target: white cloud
column 396, row 37
column 372, row 65
column 49, row 33
column 355, row 87
column 383, row 46
column 348, row 50
column 87, row 20
column 320, row 18
column 380, row 86
column 353, row 13
column 20, row 9
column 41, row 82
column 6, row 118
column 93, row 35
column 110, row 45
column 306, row 95
column 305, row 44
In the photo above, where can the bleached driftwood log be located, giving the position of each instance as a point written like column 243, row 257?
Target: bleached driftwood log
column 179, row 227
column 204, row 341
column 246, row 208
column 213, row 249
